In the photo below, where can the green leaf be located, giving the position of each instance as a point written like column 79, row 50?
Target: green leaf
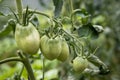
column 7, row 28
column 97, row 62
column 81, row 16
column 88, row 31
column 58, row 7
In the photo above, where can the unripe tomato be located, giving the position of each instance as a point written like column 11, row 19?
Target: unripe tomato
column 64, row 52
column 51, row 48
column 80, row 64
column 27, row 38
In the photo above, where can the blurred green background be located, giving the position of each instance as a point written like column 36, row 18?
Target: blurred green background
column 103, row 12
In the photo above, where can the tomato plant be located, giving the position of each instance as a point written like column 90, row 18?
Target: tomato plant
column 44, row 44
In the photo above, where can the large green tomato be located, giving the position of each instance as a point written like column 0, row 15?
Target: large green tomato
column 27, row 38
column 80, row 64
column 51, row 48
column 65, row 51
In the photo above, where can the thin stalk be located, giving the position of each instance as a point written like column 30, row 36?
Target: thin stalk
column 10, row 59
column 46, row 15
column 72, row 36
column 74, row 49
column 27, row 64
column 28, row 68
column 43, row 67
column 71, row 11
column 21, row 71
column 71, row 6
column 19, row 9
column 95, row 50
column 40, row 13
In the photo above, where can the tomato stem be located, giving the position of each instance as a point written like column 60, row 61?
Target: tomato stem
column 28, row 68
column 43, row 67
column 19, row 10
column 71, row 6
column 71, row 11
column 10, row 59
column 27, row 65
column 21, row 71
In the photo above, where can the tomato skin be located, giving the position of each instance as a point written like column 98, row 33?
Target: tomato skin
column 27, row 38
column 80, row 64
column 64, row 52
column 50, row 48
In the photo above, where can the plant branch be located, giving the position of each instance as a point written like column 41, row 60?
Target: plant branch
column 41, row 13
column 21, row 71
column 28, row 68
column 43, row 67
column 72, row 36
column 71, row 11
column 19, row 9
column 71, row 6
column 27, row 64
column 10, row 59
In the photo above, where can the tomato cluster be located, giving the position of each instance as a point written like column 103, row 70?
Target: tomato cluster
column 29, row 41
column 54, row 48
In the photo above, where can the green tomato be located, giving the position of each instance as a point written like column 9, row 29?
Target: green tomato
column 27, row 38
column 51, row 48
column 64, row 52
column 80, row 64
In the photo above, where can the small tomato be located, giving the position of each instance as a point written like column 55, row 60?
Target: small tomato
column 27, row 38
column 64, row 52
column 80, row 64
column 51, row 48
